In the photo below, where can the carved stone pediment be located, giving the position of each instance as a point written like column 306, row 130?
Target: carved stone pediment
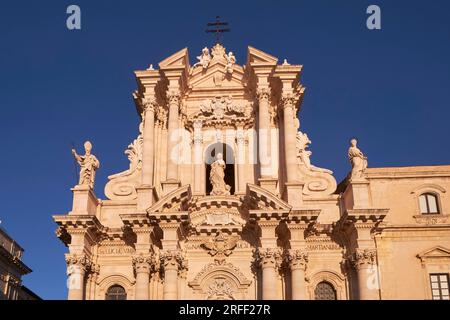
column 177, row 200
column 220, row 280
column 223, row 110
column 216, row 213
column 435, row 254
column 258, row 198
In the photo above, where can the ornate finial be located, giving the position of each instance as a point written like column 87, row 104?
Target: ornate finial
column 151, row 67
column 218, row 27
column 286, row 63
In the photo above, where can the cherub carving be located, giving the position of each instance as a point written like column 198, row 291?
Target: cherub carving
column 203, row 59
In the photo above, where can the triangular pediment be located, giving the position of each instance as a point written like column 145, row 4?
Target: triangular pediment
column 260, row 198
column 176, row 200
column 216, row 77
column 436, row 252
column 180, row 58
column 256, row 56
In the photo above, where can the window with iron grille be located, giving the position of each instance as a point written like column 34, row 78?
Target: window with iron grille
column 116, row 292
column 439, row 286
column 324, row 291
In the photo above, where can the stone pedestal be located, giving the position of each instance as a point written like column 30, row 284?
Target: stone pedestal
column 294, row 194
column 270, row 184
column 170, row 185
column 357, row 194
column 145, row 197
column 84, row 201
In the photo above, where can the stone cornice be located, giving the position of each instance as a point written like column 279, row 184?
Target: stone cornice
column 10, row 259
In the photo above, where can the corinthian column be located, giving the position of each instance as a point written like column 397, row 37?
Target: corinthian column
column 77, row 265
column 264, row 147
column 269, row 260
column 298, row 261
column 366, row 268
column 173, row 97
column 172, row 262
column 148, row 145
column 142, row 265
column 198, row 157
column 290, row 158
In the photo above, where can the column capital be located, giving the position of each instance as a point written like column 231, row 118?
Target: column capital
column 173, row 96
column 289, row 99
column 173, row 260
column 149, row 104
column 79, row 261
column 145, row 263
column 364, row 258
column 269, row 257
column 297, row 259
column 263, row 93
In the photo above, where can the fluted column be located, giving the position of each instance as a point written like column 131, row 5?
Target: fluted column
column 240, row 159
column 77, row 265
column 290, row 133
column 142, row 268
column 148, row 145
column 198, row 157
column 364, row 262
column 173, row 97
column 297, row 261
column 269, row 260
column 172, row 262
column 264, row 147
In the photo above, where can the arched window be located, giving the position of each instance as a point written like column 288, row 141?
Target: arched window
column 116, row 292
column 428, row 204
column 324, row 291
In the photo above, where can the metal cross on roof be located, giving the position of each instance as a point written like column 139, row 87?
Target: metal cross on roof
column 218, row 27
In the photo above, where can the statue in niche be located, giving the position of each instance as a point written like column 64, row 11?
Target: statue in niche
column 88, row 165
column 204, row 59
column 231, row 60
column 217, row 177
column 357, row 159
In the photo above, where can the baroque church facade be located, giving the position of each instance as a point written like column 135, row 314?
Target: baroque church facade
column 221, row 200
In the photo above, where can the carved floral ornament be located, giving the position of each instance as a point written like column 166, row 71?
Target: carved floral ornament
column 223, row 107
column 297, row 259
column 269, row 257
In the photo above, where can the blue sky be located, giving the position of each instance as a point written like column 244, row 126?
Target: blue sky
column 388, row 87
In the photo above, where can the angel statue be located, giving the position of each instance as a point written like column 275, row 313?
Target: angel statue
column 357, row 159
column 88, row 164
column 204, row 59
column 231, row 60
column 217, row 177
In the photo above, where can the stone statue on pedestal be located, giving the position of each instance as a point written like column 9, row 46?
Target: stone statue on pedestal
column 88, row 164
column 217, row 177
column 357, row 159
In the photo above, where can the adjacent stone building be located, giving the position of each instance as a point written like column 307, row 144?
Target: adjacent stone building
column 221, row 200
column 12, row 269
